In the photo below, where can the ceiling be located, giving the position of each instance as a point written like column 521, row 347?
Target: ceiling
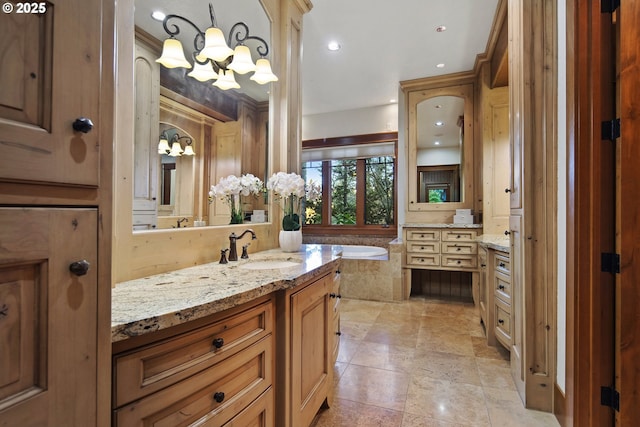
column 382, row 43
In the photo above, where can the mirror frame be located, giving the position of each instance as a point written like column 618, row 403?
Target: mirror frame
column 423, row 89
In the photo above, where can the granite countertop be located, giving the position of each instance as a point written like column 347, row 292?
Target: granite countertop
column 495, row 241
column 157, row 302
column 443, row 225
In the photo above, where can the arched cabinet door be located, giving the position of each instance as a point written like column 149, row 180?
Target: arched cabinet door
column 50, row 92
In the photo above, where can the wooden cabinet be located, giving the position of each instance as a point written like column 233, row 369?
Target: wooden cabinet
column 441, row 248
column 500, row 327
column 335, row 321
column 220, row 373
column 55, row 259
column 483, row 292
column 307, row 339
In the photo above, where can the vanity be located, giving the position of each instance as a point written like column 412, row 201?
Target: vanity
column 199, row 345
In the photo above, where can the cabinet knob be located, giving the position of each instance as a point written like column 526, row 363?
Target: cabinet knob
column 501, row 287
column 501, row 265
column 507, row 190
column 82, row 124
column 338, row 333
column 337, row 271
column 501, row 321
column 218, row 396
column 218, row 342
column 507, row 232
column 458, row 249
column 483, row 265
column 332, row 295
column 79, row 268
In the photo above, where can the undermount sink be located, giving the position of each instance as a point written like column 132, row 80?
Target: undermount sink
column 269, row 265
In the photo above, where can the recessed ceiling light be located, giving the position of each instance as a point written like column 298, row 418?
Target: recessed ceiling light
column 437, row 143
column 441, row 65
column 441, row 28
column 334, row 46
column 439, row 123
column 392, row 101
column 158, row 15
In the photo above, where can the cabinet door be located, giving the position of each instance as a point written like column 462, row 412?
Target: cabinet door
column 145, row 142
column 51, row 65
column 310, row 350
column 48, row 317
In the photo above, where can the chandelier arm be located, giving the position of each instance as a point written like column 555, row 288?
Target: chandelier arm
column 198, row 40
column 240, row 32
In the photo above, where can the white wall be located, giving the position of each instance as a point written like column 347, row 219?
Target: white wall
column 561, row 359
column 383, row 118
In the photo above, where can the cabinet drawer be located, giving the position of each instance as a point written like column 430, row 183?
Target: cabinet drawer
column 212, row 397
column 423, row 234
column 259, row 414
column 156, row 366
column 425, row 259
column 465, row 248
column 503, row 323
column 423, row 247
column 459, row 261
column 502, row 263
column 459, row 235
column 502, row 287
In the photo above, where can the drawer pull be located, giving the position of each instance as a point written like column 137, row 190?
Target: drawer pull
column 501, row 265
column 459, row 262
column 458, row 236
column 337, row 271
column 218, row 396
column 458, row 249
column 422, row 248
column 218, row 342
column 501, row 287
column 338, row 333
column 422, row 235
column 332, row 295
column 507, row 232
column 501, row 321
column 483, row 265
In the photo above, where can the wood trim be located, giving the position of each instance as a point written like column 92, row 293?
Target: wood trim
column 560, row 408
column 628, row 298
column 341, row 141
column 342, row 230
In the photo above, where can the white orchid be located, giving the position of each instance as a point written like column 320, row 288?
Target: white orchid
column 230, row 189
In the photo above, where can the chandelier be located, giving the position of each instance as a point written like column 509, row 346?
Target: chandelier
column 170, row 145
column 213, row 59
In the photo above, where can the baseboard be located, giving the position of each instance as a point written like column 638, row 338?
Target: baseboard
column 560, row 409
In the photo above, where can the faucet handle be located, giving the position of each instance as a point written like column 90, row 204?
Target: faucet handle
column 245, row 255
column 223, row 256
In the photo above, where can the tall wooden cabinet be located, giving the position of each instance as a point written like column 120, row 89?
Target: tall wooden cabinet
column 56, row 105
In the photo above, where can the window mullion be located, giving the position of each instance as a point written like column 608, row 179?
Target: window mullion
column 326, row 192
column 360, row 191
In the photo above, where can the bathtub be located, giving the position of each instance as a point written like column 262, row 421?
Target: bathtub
column 363, row 252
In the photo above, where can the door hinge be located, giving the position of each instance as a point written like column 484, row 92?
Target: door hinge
column 608, row 6
column 611, row 130
column 610, row 263
column 609, row 396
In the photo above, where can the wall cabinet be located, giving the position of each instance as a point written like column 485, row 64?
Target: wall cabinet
column 309, row 345
column 220, row 373
column 56, row 106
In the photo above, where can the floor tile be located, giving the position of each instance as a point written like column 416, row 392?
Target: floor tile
column 346, row 413
column 372, row 386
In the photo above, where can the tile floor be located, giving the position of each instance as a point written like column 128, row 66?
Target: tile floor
column 421, row 363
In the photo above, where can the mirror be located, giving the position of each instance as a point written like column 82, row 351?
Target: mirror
column 228, row 130
column 440, row 148
column 439, row 142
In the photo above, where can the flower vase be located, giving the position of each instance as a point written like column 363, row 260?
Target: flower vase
column 290, row 241
column 237, row 216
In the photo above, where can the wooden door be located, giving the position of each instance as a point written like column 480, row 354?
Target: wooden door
column 310, row 350
column 628, row 226
column 48, row 317
column 51, row 76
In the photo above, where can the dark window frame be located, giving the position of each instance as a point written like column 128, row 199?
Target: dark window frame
column 360, row 228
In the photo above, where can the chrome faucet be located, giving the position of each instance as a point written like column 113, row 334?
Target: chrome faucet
column 233, row 251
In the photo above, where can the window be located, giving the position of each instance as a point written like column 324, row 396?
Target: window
column 358, row 194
